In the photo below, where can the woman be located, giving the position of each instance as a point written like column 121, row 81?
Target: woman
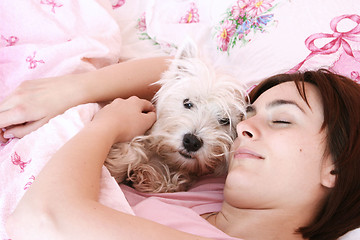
column 293, row 173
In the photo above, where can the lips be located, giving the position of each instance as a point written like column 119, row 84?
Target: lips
column 246, row 153
column 186, row 155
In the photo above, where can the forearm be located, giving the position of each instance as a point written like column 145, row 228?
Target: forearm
column 75, row 169
column 131, row 78
column 69, row 180
column 62, row 202
column 65, row 193
column 35, row 102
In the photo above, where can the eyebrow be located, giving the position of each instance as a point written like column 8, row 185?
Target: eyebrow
column 280, row 102
column 275, row 103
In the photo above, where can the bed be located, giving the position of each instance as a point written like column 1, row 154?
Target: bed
column 44, row 38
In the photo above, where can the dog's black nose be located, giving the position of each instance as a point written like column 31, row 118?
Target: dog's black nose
column 191, row 142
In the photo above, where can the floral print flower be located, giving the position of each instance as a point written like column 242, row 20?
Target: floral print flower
column 227, row 31
column 142, row 23
column 192, row 16
column 243, row 18
column 118, row 4
column 143, row 35
column 240, row 8
column 355, row 76
column 259, row 6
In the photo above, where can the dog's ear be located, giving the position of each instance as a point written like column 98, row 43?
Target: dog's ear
column 187, row 50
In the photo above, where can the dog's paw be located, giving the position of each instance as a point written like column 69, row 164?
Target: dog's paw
column 150, row 178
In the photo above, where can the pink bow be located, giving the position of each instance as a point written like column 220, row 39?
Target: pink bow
column 52, row 3
column 16, row 160
column 32, row 61
column 10, row 41
column 338, row 39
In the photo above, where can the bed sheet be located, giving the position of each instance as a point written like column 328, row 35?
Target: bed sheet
column 248, row 39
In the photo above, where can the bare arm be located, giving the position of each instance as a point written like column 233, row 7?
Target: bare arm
column 62, row 202
column 132, row 78
column 35, row 102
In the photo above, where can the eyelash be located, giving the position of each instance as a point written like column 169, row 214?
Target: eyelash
column 281, row 122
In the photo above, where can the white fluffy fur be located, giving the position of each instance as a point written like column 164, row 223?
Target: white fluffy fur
column 158, row 161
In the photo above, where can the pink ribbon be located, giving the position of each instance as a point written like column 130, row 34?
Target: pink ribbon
column 11, row 41
column 28, row 184
column 338, row 39
column 16, row 160
column 32, row 61
column 52, row 3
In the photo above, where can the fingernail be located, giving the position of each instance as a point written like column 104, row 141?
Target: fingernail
column 8, row 135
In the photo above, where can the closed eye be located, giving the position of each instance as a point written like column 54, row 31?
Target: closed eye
column 281, row 122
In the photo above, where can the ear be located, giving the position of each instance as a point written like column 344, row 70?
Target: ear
column 187, row 50
column 183, row 60
column 328, row 173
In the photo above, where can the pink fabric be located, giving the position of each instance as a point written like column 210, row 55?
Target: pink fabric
column 52, row 37
column 337, row 40
column 47, row 38
column 23, row 159
column 182, row 210
column 44, row 38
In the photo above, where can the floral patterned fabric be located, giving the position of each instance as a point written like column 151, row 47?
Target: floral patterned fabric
column 250, row 39
column 245, row 18
column 253, row 39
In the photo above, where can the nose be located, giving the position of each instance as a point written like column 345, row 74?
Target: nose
column 248, row 129
column 191, row 142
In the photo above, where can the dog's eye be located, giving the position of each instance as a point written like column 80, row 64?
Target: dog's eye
column 224, row 121
column 187, row 103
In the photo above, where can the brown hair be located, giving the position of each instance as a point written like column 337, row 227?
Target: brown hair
column 341, row 104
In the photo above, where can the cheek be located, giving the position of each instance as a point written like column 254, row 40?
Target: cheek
column 302, row 162
column 294, row 157
column 311, row 148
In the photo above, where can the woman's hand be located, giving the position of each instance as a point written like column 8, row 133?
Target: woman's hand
column 123, row 119
column 34, row 103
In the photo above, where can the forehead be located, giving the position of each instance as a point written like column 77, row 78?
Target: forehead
column 289, row 92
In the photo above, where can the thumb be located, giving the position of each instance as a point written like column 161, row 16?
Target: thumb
column 151, row 118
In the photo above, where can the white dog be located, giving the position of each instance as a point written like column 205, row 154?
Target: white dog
column 197, row 113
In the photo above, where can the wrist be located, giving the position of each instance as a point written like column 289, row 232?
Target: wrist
column 80, row 89
column 101, row 132
column 71, row 90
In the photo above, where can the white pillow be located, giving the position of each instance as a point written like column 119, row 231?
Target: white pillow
column 278, row 47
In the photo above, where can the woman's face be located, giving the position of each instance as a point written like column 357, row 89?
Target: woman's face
column 278, row 157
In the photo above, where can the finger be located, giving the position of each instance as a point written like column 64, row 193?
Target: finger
column 20, row 131
column 11, row 117
column 2, row 139
column 147, row 106
column 151, row 118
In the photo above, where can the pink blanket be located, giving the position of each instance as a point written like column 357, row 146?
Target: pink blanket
column 44, row 38
column 22, row 160
column 48, row 38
